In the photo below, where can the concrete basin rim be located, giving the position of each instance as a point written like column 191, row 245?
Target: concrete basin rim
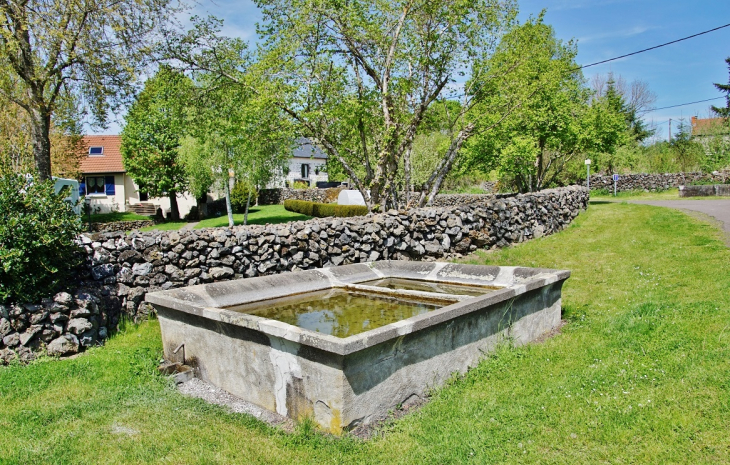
column 364, row 340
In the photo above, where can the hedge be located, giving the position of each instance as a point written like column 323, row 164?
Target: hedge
column 321, row 210
column 38, row 230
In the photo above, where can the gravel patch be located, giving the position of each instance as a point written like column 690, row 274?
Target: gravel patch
column 211, row 394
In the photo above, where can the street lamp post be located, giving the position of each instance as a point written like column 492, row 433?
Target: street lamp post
column 588, row 174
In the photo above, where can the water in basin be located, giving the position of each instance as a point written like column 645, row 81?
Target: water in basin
column 430, row 286
column 337, row 312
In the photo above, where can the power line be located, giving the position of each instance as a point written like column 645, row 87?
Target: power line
column 684, row 104
column 654, row 47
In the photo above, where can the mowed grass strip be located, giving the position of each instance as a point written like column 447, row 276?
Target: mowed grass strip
column 272, row 214
column 639, row 374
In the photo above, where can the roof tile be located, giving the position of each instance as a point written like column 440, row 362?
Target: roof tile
column 109, row 162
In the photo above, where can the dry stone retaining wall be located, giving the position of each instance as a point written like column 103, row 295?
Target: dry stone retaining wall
column 123, row 268
column 656, row 182
column 121, row 225
column 277, row 196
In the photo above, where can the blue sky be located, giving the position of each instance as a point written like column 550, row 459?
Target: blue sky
column 678, row 73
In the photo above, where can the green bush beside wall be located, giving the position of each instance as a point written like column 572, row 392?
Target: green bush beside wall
column 321, row 210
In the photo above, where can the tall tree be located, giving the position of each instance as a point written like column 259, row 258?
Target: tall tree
column 553, row 122
column 91, row 49
column 357, row 77
column 237, row 133
column 154, row 125
column 724, row 88
column 16, row 144
column 362, row 74
column 635, row 98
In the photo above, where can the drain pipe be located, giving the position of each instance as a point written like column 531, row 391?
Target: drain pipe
column 181, row 346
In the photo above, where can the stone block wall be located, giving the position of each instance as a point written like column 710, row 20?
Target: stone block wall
column 655, row 182
column 277, row 196
column 121, row 225
column 122, row 268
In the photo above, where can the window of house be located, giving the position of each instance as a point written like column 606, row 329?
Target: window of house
column 305, row 170
column 96, row 150
column 99, row 185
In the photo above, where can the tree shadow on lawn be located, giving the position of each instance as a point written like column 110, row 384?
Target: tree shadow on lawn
column 277, row 219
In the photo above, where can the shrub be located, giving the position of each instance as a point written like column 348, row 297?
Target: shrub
column 331, row 194
column 38, row 251
column 300, row 185
column 299, row 206
column 321, row 210
column 239, row 196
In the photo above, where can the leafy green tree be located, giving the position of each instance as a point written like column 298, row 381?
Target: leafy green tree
column 552, row 122
column 90, row 50
column 635, row 100
column 724, row 88
column 357, row 77
column 151, row 136
column 687, row 152
column 236, row 132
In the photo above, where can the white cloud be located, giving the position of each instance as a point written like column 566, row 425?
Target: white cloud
column 616, row 34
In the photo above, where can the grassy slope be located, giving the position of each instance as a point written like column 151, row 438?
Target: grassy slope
column 640, row 373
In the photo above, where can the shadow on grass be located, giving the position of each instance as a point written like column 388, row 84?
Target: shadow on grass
column 277, row 219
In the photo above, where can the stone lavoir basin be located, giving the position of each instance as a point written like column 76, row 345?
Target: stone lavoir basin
column 344, row 345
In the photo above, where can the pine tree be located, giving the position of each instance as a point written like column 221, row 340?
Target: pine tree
column 724, row 112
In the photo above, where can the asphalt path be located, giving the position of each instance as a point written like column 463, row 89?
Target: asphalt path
column 716, row 208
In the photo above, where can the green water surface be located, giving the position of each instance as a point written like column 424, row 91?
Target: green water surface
column 337, row 312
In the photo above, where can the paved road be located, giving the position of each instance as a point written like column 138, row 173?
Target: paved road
column 718, row 209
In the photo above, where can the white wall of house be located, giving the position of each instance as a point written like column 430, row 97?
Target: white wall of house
column 103, row 203
column 126, row 193
column 315, row 172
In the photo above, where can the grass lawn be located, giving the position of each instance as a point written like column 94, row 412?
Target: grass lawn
column 115, row 216
column 639, row 374
column 671, row 194
column 272, row 214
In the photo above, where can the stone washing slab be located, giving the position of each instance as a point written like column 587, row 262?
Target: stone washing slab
column 345, row 382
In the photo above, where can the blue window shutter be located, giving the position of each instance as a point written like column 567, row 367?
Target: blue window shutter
column 109, row 185
column 82, row 189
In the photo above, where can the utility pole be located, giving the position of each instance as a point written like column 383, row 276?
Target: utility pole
column 670, row 129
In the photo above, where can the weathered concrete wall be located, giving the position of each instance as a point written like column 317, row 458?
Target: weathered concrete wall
column 655, row 182
column 345, row 382
column 704, row 191
column 122, row 268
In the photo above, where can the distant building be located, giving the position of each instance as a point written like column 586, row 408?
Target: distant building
column 705, row 127
column 705, row 131
column 108, row 187
column 307, row 165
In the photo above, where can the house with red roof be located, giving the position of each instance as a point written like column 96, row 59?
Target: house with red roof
column 704, row 127
column 108, row 187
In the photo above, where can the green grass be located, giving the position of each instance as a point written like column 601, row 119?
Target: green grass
column 639, row 374
column 115, row 216
column 670, row 194
column 272, row 214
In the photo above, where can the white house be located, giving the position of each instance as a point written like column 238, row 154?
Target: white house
column 108, row 187
column 307, row 165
